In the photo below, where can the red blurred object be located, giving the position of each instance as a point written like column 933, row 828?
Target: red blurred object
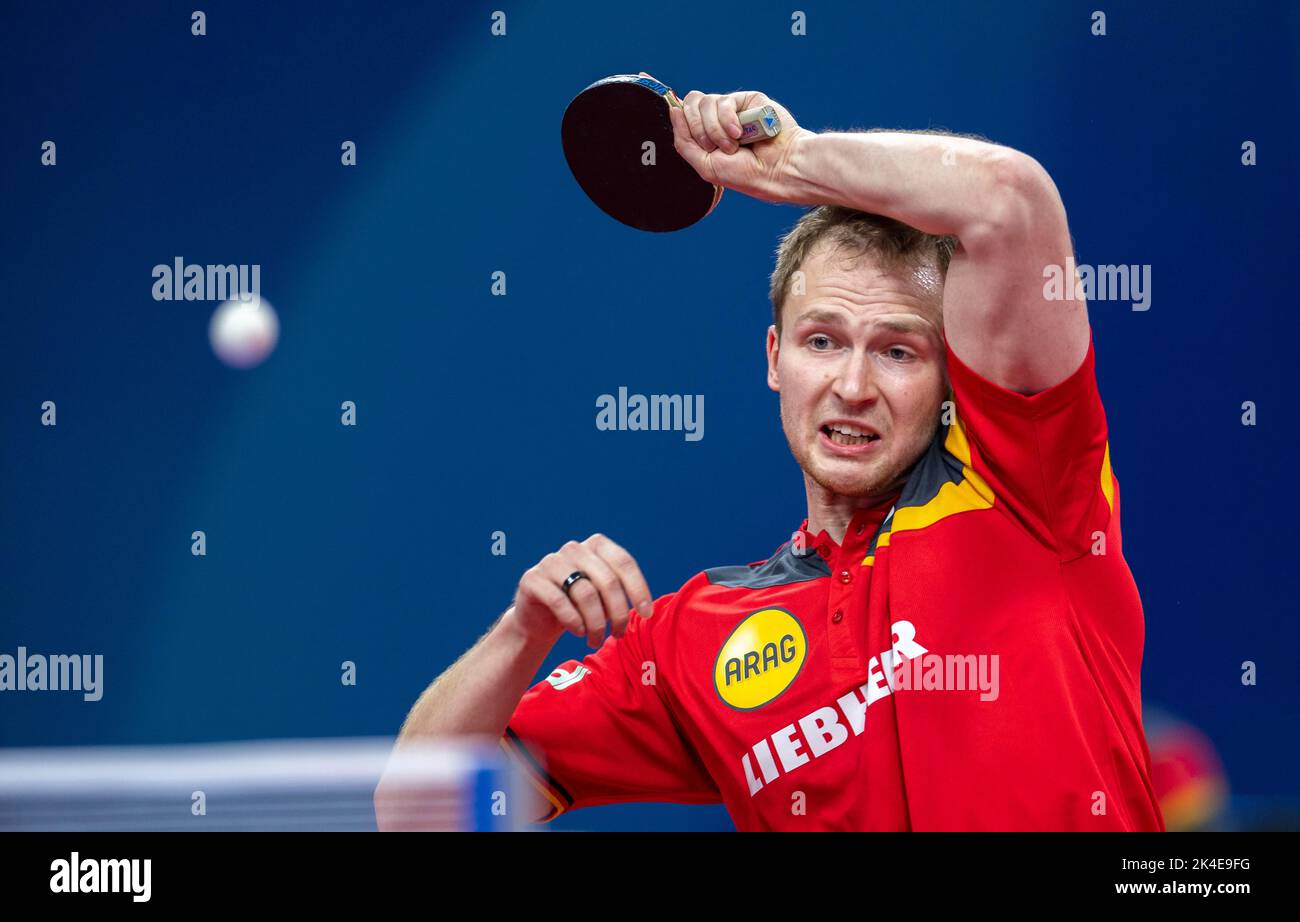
column 1187, row 774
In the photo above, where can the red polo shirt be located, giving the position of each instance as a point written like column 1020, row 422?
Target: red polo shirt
column 967, row 658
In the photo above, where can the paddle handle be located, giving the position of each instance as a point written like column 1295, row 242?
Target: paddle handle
column 759, row 124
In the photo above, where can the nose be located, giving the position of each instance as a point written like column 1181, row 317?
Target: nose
column 855, row 381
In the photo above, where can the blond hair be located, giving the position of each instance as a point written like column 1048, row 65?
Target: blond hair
column 854, row 234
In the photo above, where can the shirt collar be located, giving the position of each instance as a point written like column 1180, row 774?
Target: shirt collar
column 857, row 537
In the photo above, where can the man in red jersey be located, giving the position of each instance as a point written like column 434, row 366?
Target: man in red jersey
column 952, row 639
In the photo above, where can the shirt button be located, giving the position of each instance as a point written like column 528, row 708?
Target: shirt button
column 838, row 616
column 845, row 576
column 824, row 551
column 861, row 528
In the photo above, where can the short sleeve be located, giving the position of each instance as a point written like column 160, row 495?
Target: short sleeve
column 1046, row 457
column 600, row 732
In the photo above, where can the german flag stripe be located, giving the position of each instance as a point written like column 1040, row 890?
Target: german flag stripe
column 554, row 792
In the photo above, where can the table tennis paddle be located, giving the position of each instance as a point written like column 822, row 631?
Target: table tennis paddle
column 605, row 131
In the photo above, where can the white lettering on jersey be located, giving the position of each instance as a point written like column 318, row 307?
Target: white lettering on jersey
column 822, row 730
column 561, row 678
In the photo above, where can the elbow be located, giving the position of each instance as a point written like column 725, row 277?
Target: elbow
column 392, row 801
column 1021, row 180
column 385, row 814
column 1020, row 197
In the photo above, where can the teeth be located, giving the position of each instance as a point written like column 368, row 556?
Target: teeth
column 848, row 435
column 848, row 430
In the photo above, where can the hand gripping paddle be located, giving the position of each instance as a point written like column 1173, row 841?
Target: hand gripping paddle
column 607, row 130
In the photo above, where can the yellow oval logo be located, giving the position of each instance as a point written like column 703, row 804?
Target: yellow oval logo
column 760, row 659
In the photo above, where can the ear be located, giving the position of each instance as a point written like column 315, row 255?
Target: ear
column 773, row 355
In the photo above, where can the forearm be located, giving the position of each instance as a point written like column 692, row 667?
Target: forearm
column 478, row 693
column 938, row 184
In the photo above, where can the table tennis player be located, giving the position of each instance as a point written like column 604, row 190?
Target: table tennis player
column 951, row 639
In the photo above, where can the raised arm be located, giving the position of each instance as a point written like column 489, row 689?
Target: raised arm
column 999, row 203
column 477, row 695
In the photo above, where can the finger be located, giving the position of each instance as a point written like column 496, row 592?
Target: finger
column 538, row 585
column 696, row 121
column 629, row 574
column 609, row 586
column 713, row 127
column 681, row 130
column 728, row 117
column 582, row 593
column 684, row 144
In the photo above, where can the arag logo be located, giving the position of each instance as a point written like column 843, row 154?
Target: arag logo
column 760, row 659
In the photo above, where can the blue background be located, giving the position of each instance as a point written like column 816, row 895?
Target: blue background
column 476, row 413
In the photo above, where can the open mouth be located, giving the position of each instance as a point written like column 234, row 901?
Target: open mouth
column 848, row 436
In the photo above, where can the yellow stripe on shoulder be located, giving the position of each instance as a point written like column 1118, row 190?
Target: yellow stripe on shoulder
column 1107, row 479
column 971, row 493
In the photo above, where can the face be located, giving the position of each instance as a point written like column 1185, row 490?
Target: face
column 860, row 369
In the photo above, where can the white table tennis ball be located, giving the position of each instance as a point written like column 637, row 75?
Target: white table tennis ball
column 243, row 333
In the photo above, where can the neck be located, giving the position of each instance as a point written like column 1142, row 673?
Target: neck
column 832, row 512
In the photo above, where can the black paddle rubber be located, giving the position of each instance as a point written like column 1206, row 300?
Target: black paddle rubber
column 604, row 132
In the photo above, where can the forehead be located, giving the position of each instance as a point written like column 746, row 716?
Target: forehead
column 864, row 285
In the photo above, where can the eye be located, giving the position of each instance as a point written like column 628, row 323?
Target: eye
column 898, row 353
column 820, row 342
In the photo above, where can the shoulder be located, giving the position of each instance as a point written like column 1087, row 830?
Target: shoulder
column 788, row 565
column 731, row 584
column 728, row 590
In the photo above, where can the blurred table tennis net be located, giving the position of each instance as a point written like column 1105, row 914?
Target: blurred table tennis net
column 267, row 785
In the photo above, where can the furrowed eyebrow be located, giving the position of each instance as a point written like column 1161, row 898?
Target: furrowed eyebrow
column 901, row 325
column 820, row 316
column 910, row 327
